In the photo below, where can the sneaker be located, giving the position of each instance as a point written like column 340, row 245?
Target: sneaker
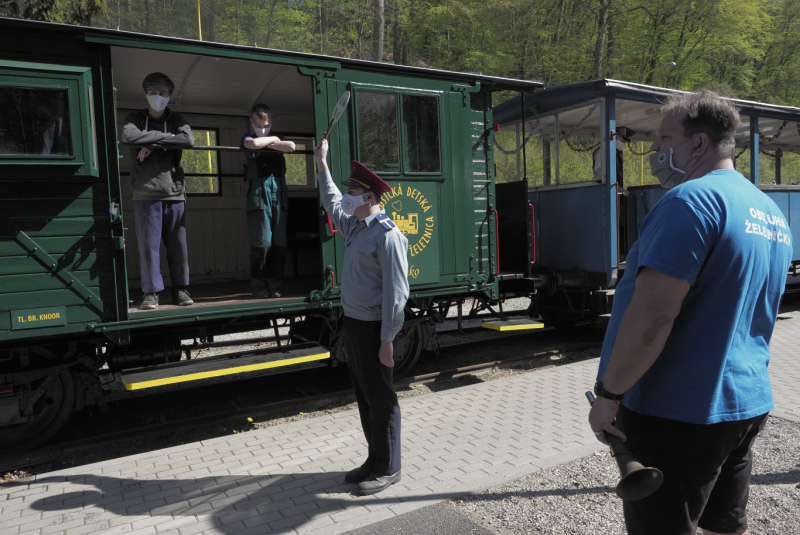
column 276, row 294
column 181, row 297
column 149, row 302
column 263, row 293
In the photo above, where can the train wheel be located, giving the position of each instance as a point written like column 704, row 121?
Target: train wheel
column 50, row 412
column 407, row 351
column 561, row 310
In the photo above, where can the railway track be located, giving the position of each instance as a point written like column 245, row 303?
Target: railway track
column 309, row 401
column 309, row 397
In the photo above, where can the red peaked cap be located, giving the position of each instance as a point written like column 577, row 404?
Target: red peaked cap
column 360, row 176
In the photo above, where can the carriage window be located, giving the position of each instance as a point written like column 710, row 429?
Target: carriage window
column 421, row 130
column 377, row 131
column 34, row 121
column 200, row 166
column 299, row 166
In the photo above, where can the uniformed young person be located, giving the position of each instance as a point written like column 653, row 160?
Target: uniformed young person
column 374, row 294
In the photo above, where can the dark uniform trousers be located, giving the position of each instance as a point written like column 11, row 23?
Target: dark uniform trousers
column 377, row 401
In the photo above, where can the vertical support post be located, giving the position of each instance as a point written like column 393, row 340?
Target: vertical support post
column 755, row 149
column 610, row 167
column 778, row 158
column 557, row 138
column 519, row 127
column 546, row 178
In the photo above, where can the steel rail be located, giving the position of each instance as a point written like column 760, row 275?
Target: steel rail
column 267, row 411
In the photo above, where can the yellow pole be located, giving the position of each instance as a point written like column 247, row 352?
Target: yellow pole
column 199, row 28
column 210, row 169
column 641, row 163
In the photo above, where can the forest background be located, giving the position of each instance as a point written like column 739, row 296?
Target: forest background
column 748, row 47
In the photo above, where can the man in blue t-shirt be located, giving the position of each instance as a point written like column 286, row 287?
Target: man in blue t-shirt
column 683, row 372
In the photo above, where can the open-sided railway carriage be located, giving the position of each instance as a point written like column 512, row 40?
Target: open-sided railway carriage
column 69, row 280
column 583, row 200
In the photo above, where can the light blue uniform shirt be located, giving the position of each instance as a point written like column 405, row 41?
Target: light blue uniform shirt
column 374, row 278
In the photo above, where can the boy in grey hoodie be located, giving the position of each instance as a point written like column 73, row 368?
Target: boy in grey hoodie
column 159, row 190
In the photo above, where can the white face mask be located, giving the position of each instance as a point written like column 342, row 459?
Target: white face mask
column 350, row 203
column 621, row 144
column 664, row 170
column 157, row 102
column 261, row 132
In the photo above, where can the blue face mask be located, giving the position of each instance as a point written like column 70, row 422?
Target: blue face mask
column 662, row 167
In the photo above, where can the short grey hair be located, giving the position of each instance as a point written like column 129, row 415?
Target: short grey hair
column 709, row 113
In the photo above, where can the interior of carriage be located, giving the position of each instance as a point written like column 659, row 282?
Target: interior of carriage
column 215, row 95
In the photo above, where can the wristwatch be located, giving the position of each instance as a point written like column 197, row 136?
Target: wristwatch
column 601, row 392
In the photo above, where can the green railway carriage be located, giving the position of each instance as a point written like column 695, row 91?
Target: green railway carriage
column 69, row 280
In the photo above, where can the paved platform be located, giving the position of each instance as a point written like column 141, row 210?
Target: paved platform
column 289, row 478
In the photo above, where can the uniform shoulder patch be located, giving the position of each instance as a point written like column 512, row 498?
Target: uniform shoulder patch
column 385, row 222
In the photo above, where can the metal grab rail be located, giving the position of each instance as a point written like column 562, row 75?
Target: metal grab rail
column 533, row 236
column 496, row 242
column 330, row 225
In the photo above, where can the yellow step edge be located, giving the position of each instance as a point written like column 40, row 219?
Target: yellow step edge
column 220, row 373
column 512, row 327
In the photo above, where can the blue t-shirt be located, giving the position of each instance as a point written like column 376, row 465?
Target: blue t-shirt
column 732, row 244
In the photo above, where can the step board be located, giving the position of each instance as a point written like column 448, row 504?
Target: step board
column 206, row 368
column 515, row 324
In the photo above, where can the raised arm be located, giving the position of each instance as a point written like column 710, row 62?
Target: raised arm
column 331, row 196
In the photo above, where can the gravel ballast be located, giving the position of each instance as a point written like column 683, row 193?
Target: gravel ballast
column 578, row 497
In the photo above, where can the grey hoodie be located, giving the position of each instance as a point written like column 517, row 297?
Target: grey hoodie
column 160, row 175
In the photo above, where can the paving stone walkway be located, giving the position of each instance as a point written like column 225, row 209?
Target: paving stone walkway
column 289, row 478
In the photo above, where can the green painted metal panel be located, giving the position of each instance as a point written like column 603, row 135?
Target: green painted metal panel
column 63, row 297
column 72, row 249
column 77, row 318
column 17, row 265
column 25, row 208
column 67, row 226
column 36, row 318
column 32, row 282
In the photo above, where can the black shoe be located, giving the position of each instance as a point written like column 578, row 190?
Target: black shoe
column 357, row 475
column 181, row 297
column 262, row 294
column 376, row 484
column 149, row 302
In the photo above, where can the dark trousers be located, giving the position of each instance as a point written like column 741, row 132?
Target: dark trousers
column 156, row 221
column 706, row 473
column 377, row 401
column 268, row 249
column 267, row 265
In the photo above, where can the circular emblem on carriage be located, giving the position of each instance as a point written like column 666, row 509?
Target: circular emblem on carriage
column 662, row 157
column 413, row 214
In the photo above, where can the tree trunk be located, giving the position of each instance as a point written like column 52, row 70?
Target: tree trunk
column 602, row 23
column 377, row 33
column 610, row 47
column 397, row 44
column 211, row 22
